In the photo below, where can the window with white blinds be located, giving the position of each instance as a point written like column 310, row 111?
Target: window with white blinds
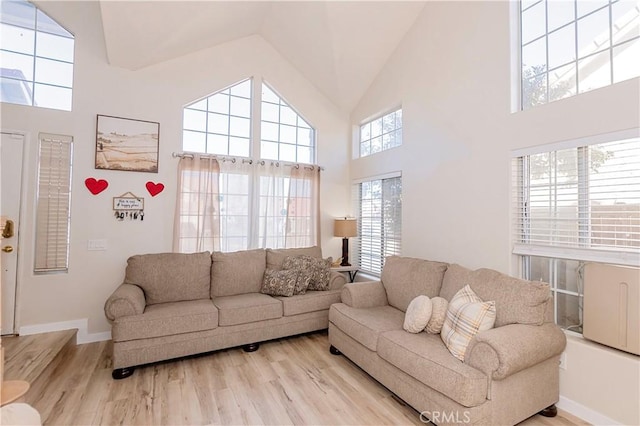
column 580, row 203
column 53, row 211
column 379, row 207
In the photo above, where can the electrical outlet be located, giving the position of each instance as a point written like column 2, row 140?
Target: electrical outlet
column 563, row 360
column 94, row 245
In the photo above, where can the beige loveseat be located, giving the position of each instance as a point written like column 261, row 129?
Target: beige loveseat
column 509, row 372
column 173, row 305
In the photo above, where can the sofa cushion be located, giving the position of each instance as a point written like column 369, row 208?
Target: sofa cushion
column 424, row 357
column 366, row 324
column 311, row 301
column 246, row 308
column 238, row 272
column 170, row 277
column 517, row 301
column 404, row 278
column 418, row 314
column 467, row 315
column 164, row 319
column 279, row 283
column 275, row 257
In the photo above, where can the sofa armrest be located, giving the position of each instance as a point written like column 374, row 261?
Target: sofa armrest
column 126, row 300
column 336, row 280
column 503, row 351
column 366, row 294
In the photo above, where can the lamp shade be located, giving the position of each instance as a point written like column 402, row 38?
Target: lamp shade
column 345, row 228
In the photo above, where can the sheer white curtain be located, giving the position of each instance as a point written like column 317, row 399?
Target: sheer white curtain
column 287, row 205
column 234, row 204
column 303, row 223
column 197, row 219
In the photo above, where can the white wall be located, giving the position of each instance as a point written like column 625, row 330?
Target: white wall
column 452, row 76
column 158, row 94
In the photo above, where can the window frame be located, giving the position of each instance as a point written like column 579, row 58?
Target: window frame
column 357, row 245
column 15, row 80
column 396, row 129
column 577, row 56
column 57, row 240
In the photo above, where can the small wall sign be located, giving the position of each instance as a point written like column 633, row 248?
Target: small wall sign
column 128, row 206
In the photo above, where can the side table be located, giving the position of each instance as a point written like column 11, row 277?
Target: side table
column 351, row 270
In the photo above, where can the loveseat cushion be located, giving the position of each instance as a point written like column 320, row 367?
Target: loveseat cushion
column 404, row 278
column 246, row 308
column 170, row 277
column 311, row 301
column 237, row 272
column 366, row 324
column 275, row 257
column 517, row 301
column 424, row 357
column 164, row 319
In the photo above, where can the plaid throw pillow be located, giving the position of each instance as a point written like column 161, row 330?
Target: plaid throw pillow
column 466, row 315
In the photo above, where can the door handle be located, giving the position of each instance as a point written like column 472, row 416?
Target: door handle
column 8, row 232
column 7, row 249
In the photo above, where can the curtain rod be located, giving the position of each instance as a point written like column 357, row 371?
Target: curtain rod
column 244, row 160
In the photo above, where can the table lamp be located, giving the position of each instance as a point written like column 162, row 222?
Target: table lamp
column 345, row 228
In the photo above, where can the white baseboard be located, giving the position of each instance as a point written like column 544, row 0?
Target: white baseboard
column 82, row 325
column 585, row 413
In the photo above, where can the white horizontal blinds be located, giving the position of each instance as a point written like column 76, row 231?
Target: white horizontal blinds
column 379, row 206
column 53, row 203
column 585, row 198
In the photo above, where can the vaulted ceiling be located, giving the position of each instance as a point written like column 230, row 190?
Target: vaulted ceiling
column 340, row 46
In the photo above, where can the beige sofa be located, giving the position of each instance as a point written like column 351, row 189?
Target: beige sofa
column 173, row 305
column 509, row 373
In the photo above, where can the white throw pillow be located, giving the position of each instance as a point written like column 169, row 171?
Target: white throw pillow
column 466, row 315
column 438, row 314
column 418, row 314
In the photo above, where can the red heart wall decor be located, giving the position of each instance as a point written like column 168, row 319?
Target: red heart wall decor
column 95, row 186
column 154, row 188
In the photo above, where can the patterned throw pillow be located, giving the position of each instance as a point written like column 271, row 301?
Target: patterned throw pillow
column 301, row 266
column 320, row 273
column 438, row 314
column 466, row 315
column 279, row 283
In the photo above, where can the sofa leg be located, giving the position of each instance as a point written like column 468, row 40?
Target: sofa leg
column 252, row 347
column 122, row 373
column 334, row 350
column 550, row 411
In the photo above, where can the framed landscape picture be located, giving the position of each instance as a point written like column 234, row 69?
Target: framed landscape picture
column 126, row 144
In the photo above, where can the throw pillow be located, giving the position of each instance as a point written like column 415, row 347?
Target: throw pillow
column 320, row 272
column 466, row 315
column 279, row 283
column 301, row 266
column 418, row 314
column 438, row 314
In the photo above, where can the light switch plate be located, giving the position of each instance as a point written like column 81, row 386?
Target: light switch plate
column 94, row 245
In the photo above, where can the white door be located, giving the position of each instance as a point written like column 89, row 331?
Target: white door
column 11, row 146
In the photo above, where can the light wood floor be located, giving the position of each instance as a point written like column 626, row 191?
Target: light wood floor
column 287, row 381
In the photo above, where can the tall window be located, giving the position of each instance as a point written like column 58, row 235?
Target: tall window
column 229, row 201
column 573, row 46
column 382, row 133
column 573, row 205
column 53, row 210
column 379, row 207
column 36, row 57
